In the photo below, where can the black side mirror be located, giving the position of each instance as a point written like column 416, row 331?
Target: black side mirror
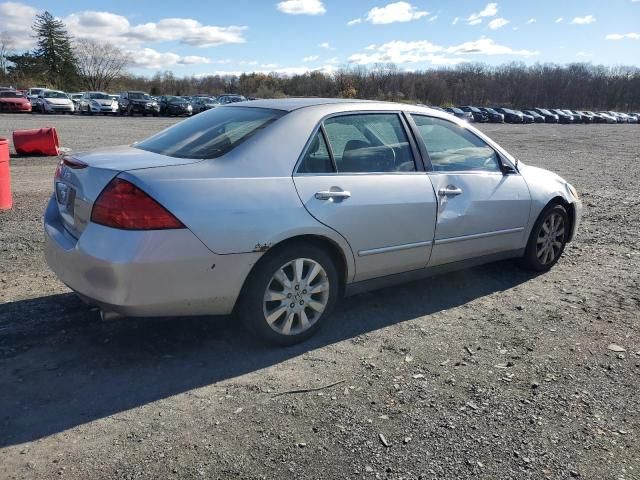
column 507, row 169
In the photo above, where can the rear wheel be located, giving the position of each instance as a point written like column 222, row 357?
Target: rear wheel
column 290, row 294
column 548, row 239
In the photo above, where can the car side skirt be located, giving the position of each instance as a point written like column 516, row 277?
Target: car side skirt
column 413, row 275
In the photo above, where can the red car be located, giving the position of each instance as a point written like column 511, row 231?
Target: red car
column 11, row 101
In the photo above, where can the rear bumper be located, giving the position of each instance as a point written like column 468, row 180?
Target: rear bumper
column 145, row 273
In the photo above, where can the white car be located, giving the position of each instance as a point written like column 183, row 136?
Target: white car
column 53, row 101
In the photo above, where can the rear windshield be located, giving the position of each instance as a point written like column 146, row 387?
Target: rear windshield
column 210, row 134
column 100, row 96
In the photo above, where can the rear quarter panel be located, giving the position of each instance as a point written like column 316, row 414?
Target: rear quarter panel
column 235, row 215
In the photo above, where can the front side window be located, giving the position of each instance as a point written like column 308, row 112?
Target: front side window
column 452, row 148
column 373, row 143
column 210, row 134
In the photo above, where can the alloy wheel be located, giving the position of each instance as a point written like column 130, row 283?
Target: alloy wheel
column 296, row 296
column 551, row 238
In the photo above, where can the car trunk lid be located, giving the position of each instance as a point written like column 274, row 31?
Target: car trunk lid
column 81, row 177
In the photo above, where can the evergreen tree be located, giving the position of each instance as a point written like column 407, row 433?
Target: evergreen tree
column 55, row 51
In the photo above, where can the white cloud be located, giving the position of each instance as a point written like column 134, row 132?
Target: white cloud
column 559, row 20
column 622, row 36
column 531, row 20
column 497, row 23
column 269, row 65
column 586, row 20
column 152, row 59
column 455, row 21
column 490, row 10
column 302, row 7
column 16, row 22
column 117, row 29
column 325, row 45
column 401, row 52
column 584, row 54
column 310, row 58
column 432, row 19
column 394, row 13
column 355, row 21
column 486, row 46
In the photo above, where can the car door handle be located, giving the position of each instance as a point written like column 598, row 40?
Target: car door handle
column 450, row 191
column 332, row 194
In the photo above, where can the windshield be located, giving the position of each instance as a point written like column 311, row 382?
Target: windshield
column 176, row 100
column 36, row 91
column 544, row 111
column 210, row 134
column 139, row 96
column 53, row 94
column 99, row 96
column 11, row 95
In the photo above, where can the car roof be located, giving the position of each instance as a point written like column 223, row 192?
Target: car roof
column 295, row 103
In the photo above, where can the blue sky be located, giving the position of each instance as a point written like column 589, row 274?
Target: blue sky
column 293, row 36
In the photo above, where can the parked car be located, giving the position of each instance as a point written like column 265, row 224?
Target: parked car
column 574, row 118
column 53, row 101
column 580, row 117
column 608, row 118
column 75, row 98
column 171, row 105
column 494, row 117
column 478, row 115
column 202, row 104
column 526, row 118
column 97, row 102
column 628, row 118
column 133, row 102
column 468, row 116
column 549, row 117
column 238, row 209
column 537, row 118
column 510, row 116
column 33, row 93
column 229, row 98
column 587, row 117
column 12, row 101
column 563, row 117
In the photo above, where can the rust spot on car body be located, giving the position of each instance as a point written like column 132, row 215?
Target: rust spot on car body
column 261, row 247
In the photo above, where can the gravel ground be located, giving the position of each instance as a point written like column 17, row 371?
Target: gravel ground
column 488, row 373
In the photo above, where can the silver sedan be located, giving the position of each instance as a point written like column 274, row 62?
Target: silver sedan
column 273, row 209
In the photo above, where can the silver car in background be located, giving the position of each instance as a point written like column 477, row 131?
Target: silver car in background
column 273, row 209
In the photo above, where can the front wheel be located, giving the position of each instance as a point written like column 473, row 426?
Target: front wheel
column 547, row 240
column 290, row 294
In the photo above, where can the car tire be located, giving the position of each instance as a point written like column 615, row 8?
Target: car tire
column 548, row 239
column 270, row 320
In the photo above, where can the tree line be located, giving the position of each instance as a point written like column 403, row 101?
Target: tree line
column 60, row 61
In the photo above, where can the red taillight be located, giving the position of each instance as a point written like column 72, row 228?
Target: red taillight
column 123, row 205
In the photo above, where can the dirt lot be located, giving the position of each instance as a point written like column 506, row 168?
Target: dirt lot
column 489, row 373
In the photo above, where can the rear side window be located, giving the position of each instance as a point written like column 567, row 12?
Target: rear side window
column 371, row 143
column 453, row 148
column 316, row 159
column 210, row 134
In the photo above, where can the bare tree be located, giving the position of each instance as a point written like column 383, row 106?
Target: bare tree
column 6, row 49
column 99, row 63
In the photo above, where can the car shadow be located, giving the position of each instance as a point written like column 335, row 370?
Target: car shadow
column 61, row 367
